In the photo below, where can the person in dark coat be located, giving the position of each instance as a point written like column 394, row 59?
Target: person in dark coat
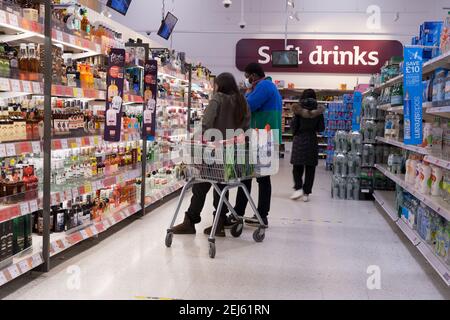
column 308, row 121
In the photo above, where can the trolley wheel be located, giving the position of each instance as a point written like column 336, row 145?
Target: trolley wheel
column 212, row 250
column 236, row 230
column 169, row 237
column 259, row 235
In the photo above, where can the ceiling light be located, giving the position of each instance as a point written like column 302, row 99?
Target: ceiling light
column 291, row 3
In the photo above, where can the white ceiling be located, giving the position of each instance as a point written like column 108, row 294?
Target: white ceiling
column 208, row 32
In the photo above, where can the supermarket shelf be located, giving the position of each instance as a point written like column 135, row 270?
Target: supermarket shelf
column 436, row 262
column 160, row 194
column 164, row 163
column 69, row 240
column 384, row 107
column 92, row 186
column 435, row 203
column 167, row 72
column 386, row 200
column 399, row 109
column 440, row 111
column 130, row 98
column 12, row 149
column 89, row 141
column 24, row 87
column 438, row 162
column 17, row 28
column 439, row 62
column 22, row 208
column 21, row 265
column 399, row 144
column 409, row 233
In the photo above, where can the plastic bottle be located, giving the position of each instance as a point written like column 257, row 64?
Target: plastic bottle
column 418, row 174
column 425, row 179
column 436, row 133
column 446, row 141
column 413, row 170
column 408, row 173
column 436, row 181
column 427, row 136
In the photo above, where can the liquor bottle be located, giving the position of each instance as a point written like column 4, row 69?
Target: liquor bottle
column 23, row 60
column 13, row 63
column 85, row 24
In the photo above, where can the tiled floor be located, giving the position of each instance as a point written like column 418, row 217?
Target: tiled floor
column 315, row 250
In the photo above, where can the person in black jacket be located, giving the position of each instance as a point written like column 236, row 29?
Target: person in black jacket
column 307, row 122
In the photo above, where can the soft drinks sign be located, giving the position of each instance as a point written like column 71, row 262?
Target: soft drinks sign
column 321, row 56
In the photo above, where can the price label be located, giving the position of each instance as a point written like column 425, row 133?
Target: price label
column 24, row 266
column 64, row 144
column 3, row 17
column 13, row 20
column 10, row 150
column 87, row 188
column 37, row 260
column 15, row 86
column 78, row 142
column 84, row 234
column 27, row 86
column 36, row 87
column 2, row 151
column 68, row 194
column 24, row 208
column 54, row 199
column 98, row 48
column 59, row 36
column 14, row 271
column 4, row 84
column 2, row 276
column 106, row 224
column 33, row 206
column 36, row 145
column 72, row 39
column 75, row 193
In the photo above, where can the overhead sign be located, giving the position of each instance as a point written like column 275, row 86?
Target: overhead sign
column 321, row 56
column 412, row 84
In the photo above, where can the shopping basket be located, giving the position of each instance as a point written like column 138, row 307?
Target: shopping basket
column 227, row 163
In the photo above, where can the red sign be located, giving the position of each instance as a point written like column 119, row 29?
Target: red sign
column 321, row 56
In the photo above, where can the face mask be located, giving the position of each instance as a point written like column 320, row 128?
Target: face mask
column 247, row 83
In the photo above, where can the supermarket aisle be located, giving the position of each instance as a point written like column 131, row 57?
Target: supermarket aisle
column 317, row 250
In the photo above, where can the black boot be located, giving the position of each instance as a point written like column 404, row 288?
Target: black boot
column 220, row 231
column 187, row 227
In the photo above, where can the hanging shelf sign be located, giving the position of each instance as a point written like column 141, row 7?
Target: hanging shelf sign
column 412, row 104
column 114, row 99
column 151, row 88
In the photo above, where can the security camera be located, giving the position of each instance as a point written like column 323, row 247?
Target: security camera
column 226, row 3
column 148, row 33
column 242, row 24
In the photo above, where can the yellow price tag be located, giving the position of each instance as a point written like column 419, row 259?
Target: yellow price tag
column 96, row 140
column 88, row 188
column 73, row 145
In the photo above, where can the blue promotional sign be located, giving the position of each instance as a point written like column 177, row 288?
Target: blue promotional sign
column 356, row 116
column 412, row 100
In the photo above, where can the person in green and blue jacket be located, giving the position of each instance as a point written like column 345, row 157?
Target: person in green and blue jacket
column 265, row 103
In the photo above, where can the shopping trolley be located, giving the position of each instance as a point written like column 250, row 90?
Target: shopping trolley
column 227, row 163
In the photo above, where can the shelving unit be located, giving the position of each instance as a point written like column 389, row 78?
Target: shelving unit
column 386, row 201
column 46, row 245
